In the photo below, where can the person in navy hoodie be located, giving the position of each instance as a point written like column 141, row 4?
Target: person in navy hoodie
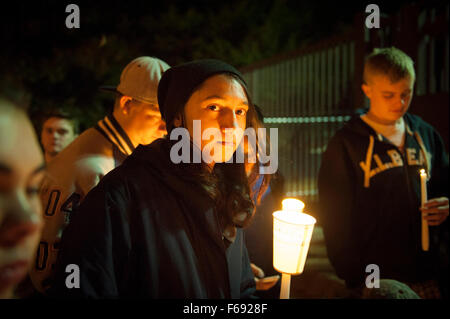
column 370, row 188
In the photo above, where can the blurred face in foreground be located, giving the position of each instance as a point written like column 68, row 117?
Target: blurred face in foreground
column 221, row 104
column 388, row 101
column 21, row 171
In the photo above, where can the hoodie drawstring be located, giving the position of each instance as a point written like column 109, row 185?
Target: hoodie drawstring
column 368, row 161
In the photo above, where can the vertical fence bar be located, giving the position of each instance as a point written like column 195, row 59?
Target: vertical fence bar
column 286, row 75
column 290, row 93
column 288, row 89
column 307, row 86
column 262, row 102
column 260, row 87
column 262, row 93
column 316, row 77
column 306, row 157
column 337, row 75
column 253, row 85
column 281, row 109
column 271, row 89
column 279, row 99
column 304, row 86
column 323, row 83
column 288, row 148
column 352, row 74
column 344, row 76
column 292, row 87
column 257, row 82
column 330, row 81
column 310, row 102
column 297, row 157
column 298, row 105
column 311, row 140
column 302, row 159
column 313, row 151
column 298, row 113
column 267, row 87
column 322, row 143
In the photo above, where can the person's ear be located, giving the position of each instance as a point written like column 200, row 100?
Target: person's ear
column 177, row 121
column 367, row 90
column 125, row 102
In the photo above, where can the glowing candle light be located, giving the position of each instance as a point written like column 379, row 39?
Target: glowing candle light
column 292, row 231
column 423, row 187
column 292, row 204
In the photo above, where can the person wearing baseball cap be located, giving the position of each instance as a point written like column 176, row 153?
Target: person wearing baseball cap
column 136, row 105
column 135, row 120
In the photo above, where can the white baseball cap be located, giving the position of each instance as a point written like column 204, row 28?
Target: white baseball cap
column 140, row 79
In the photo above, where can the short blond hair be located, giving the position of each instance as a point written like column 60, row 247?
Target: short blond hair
column 391, row 62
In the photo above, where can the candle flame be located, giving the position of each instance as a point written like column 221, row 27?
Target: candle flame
column 422, row 172
column 293, row 204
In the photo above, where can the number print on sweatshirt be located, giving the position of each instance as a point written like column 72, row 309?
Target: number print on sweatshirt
column 53, row 200
column 46, row 249
column 69, row 206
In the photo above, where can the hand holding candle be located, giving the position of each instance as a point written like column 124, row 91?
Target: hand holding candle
column 435, row 211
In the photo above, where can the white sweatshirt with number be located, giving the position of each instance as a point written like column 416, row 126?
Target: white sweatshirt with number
column 71, row 175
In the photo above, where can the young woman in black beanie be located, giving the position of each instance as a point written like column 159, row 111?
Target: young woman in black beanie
column 159, row 228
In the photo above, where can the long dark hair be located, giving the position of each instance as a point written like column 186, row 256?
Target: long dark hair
column 227, row 184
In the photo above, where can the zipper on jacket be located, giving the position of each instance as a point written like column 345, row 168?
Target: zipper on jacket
column 405, row 166
column 408, row 182
column 408, row 185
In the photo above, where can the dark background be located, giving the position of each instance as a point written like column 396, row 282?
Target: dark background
column 57, row 67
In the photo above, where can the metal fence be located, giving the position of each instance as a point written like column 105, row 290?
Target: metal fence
column 310, row 93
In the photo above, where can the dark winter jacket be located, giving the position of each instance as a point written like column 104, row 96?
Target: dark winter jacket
column 146, row 232
column 369, row 195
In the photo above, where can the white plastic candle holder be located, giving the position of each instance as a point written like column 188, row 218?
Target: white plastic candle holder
column 292, row 232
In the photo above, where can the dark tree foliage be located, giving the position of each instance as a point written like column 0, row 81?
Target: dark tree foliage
column 63, row 68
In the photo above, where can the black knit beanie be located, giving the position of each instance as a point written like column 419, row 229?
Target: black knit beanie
column 179, row 82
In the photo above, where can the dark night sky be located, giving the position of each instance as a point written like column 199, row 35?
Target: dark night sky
column 60, row 66
column 37, row 27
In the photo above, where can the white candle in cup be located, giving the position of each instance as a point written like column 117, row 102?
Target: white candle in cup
column 292, row 235
column 423, row 188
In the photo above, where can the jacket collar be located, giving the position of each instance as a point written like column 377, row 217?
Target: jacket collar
column 113, row 132
column 356, row 124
